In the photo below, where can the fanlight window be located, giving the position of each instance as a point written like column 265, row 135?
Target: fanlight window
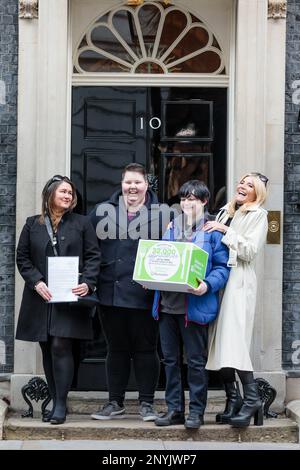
column 152, row 38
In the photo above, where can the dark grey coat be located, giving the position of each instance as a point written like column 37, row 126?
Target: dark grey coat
column 116, row 286
column 76, row 237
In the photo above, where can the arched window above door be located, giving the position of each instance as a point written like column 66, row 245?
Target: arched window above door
column 152, row 38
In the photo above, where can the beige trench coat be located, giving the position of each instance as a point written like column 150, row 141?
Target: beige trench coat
column 231, row 332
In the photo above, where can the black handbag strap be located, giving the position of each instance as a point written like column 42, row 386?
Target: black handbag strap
column 51, row 234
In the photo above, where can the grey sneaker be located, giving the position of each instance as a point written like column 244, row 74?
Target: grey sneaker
column 147, row 412
column 109, row 411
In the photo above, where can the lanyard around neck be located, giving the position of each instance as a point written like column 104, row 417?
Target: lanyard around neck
column 52, row 237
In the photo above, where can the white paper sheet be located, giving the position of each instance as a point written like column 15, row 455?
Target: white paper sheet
column 63, row 277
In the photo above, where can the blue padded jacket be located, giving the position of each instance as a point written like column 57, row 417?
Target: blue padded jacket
column 202, row 309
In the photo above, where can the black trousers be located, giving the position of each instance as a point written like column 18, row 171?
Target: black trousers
column 172, row 328
column 131, row 334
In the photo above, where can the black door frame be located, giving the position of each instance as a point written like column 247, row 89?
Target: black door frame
column 89, row 364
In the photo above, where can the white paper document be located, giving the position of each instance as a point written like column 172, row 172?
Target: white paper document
column 63, row 277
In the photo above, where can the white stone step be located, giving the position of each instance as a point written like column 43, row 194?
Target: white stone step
column 81, row 427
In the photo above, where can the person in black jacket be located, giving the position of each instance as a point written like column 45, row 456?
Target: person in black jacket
column 129, row 329
column 56, row 325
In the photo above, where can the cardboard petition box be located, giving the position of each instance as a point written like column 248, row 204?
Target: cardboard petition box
column 169, row 266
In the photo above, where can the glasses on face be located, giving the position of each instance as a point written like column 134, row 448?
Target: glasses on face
column 262, row 178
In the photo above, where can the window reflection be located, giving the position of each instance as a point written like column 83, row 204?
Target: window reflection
column 104, row 39
column 91, row 61
column 149, row 67
column 191, row 143
column 124, row 23
column 207, row 62
column 151, row 36
column 195, row 39
column 149, row 17
column 181, row 168
column 195, row 120
column 174, row 24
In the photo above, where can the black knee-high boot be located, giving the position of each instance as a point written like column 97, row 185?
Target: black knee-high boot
column 234, row 403
column 252, row 406
column 63, row 371
column 233, row 397
column 47, row 364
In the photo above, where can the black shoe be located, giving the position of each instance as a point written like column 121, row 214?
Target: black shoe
column 170, row 418
column 59, row 415
column 46, row 417
column 193, row 421
column 58, row 419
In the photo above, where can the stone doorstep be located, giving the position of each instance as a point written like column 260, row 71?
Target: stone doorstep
column 89, row 402
column 3, row 413
column 86, row 403
column 80, row 427
column 293, row 411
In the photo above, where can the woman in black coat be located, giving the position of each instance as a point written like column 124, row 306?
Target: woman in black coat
column 55, row 325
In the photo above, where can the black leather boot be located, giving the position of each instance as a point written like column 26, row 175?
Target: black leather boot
column 252, row 406
column 46, row 417
column 234, row 403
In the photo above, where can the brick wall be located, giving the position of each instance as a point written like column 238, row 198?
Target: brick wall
column 8, row 160
column 291, row 260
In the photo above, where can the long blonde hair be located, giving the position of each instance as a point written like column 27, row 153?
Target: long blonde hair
column 48, row 195
column 259, row 183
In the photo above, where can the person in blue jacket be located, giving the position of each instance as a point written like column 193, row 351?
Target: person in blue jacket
column 187, row 316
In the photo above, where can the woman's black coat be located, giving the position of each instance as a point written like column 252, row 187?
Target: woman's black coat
column 76, row 237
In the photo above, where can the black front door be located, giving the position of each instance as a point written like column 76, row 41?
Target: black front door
column 105, row 137
column 177, row 133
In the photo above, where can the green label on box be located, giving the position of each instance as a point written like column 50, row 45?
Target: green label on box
column 169, row 263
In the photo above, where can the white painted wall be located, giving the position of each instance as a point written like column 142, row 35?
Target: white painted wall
column 42, row 126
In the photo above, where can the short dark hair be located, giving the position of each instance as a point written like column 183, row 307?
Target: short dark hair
column 194, row 188
column 137, row 168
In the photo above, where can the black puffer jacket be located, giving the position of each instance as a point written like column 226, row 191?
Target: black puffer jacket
column 116, row 286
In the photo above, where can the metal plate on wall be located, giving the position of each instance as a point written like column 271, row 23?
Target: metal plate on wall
column 273, row 236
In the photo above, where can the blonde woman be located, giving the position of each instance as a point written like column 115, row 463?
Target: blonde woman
column 244, row 224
